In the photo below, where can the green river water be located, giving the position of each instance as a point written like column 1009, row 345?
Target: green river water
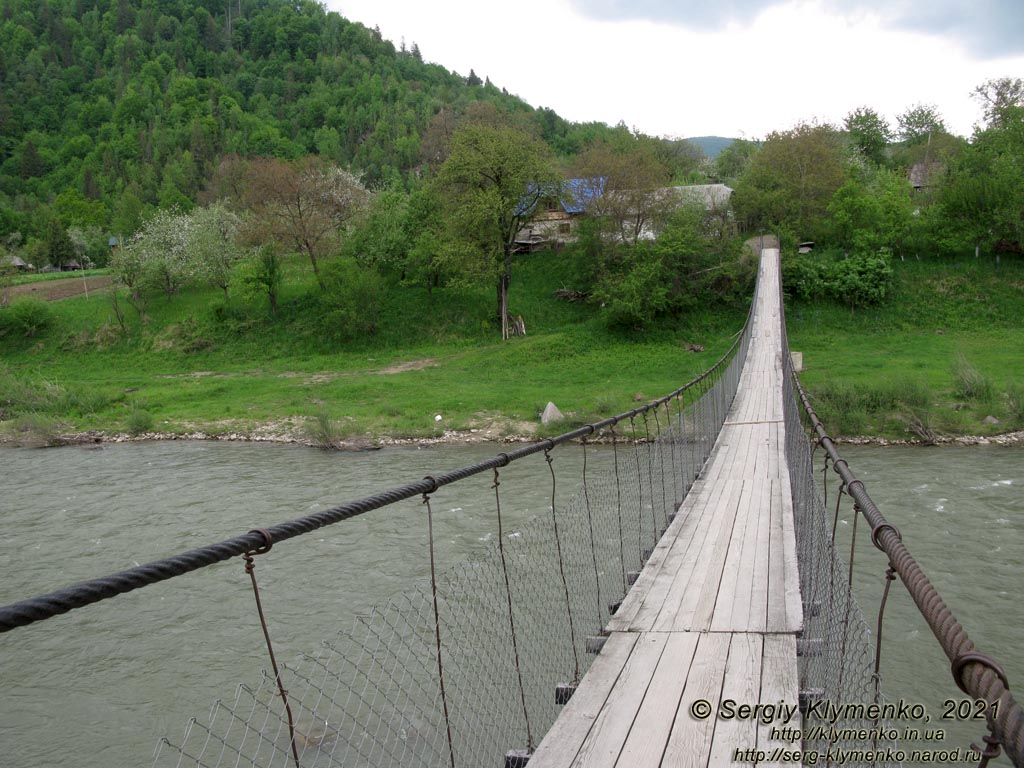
column 96, row 688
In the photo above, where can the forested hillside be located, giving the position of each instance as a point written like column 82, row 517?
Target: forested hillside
column 111, row 108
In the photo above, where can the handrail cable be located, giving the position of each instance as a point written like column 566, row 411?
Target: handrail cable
column 31, row 610
column 974, row 673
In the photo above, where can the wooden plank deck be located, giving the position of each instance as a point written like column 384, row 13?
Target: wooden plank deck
column 715, row 612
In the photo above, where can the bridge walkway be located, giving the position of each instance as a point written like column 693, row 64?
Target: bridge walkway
column 715, row 613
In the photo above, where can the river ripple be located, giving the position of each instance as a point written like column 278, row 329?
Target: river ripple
column 97, row 687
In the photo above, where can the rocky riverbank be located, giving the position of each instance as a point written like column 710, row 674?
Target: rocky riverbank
column 289, row 433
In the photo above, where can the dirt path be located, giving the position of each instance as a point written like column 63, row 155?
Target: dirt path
column 53, row 290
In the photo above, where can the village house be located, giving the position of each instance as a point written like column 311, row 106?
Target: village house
column 556, row 215
column 924, row 175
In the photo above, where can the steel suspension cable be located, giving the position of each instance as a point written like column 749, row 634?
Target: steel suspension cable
column 975, row 674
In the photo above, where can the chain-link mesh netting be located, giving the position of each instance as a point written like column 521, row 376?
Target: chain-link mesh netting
column 836, row 650
column 516, row 627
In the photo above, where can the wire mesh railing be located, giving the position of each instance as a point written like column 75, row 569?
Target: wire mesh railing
column 514, row 628
column 842, row 662
column 472, row 666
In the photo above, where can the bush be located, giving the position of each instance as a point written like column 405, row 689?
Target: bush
column 36, row 430
column 139, row 421
column 26, row 317
column 970, row 383
column 1015, row 403
column 635, row 297
column 803, row 277
column 325, row 432
column 350, row 300
column 861, row 281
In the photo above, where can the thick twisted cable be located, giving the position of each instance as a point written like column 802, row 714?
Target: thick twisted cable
column 979, row 680
column 31, row 610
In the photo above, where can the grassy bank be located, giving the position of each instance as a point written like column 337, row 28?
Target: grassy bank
column 942, row 355
column 198, row 364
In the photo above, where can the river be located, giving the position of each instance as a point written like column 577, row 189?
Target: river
column 99, row 686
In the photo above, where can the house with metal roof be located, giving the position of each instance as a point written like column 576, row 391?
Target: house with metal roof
column 555, row 212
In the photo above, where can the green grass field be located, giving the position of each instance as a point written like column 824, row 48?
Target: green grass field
column 197, row 365
column 945, row 352
column 907, row 367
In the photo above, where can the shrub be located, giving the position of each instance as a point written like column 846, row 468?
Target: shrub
column 634, row 297
column 1015, row 403
column 861, row 281
column 36, row 430
column 139, row 421
column 26, row 317
column 350, row 299
column 803, row 277
column 325, row 432
column 970, row 383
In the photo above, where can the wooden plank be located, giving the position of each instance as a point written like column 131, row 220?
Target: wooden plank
column 563, row 741
column 722, row 618
column 779, row 683
column 714, row 561
column 644, row 611
column 705, row 583
column 691, row 739
column 778, row 619
column 604, row 742
column 677, row 669
column 794, row 621
column 747, row 615
column 742, row 684
column 761, row 585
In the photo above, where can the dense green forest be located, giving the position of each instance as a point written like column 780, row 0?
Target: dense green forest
column 110, row 109
column 281, row 181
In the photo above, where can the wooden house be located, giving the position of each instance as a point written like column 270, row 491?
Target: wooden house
column 554, row 217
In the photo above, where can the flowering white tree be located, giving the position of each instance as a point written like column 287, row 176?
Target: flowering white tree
column 174, row 248
column 213, row 243
column 159, row 255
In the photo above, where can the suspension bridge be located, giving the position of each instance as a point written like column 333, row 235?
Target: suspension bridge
column 682, row 605
column 716, row 612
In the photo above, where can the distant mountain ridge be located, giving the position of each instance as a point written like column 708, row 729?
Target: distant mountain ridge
column 711, row 146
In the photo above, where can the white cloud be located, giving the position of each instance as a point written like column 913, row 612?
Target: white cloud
column 791, row 61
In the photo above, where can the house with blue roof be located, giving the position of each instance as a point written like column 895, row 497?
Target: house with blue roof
column 556, row 212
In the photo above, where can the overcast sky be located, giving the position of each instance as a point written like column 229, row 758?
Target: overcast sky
column 736, row 68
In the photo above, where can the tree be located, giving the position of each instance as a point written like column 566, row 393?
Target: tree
column 158, row 255
column 261, row 275
column 869, row 132
column 918, row 123
column 982, row 197
column 491, row 182
column 632, row 195
column 997, row 96
column 213, row 242
column 305, row 204
column 59, row 248
column 790, row 182
column 733, row 161
column 685, row 267
column 383, row 238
